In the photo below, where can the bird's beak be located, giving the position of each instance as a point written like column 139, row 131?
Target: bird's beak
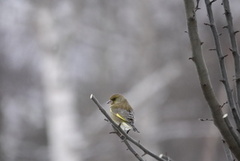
column 109, row 101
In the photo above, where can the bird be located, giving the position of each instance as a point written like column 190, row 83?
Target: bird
column 122, row 113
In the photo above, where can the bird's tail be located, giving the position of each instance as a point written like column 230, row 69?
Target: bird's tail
column 135, row 129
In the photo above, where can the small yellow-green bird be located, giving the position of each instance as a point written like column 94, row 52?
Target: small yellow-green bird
column 122, row 112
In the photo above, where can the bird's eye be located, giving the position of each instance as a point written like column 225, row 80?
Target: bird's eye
column 113, row 99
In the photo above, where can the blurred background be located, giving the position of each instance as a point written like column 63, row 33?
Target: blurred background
column 54, row 54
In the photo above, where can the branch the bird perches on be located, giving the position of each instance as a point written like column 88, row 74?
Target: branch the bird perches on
column 126, row 138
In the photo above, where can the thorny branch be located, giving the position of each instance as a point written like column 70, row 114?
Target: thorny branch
column 236, row 57
column 206, row 85
column 221, row 57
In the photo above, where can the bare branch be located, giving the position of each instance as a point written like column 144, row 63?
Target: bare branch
column 236, row 56
column 127, row 144
column 122, row 134
column 132, row 150
column 230, row 97
column 219, row 52
column 205, row 80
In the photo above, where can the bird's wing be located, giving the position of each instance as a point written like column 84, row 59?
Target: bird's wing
column 124, row 115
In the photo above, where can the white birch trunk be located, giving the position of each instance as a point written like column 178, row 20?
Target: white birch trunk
column 64, row 133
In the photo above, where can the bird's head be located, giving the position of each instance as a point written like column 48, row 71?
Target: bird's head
column 116, row 98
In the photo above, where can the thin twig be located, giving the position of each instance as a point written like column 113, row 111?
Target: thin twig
column 127, row 137
column 236, row 57
column 205, row 119
column 127, row 144
column 197, row 6
column 132, row 150
column 224, row 104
